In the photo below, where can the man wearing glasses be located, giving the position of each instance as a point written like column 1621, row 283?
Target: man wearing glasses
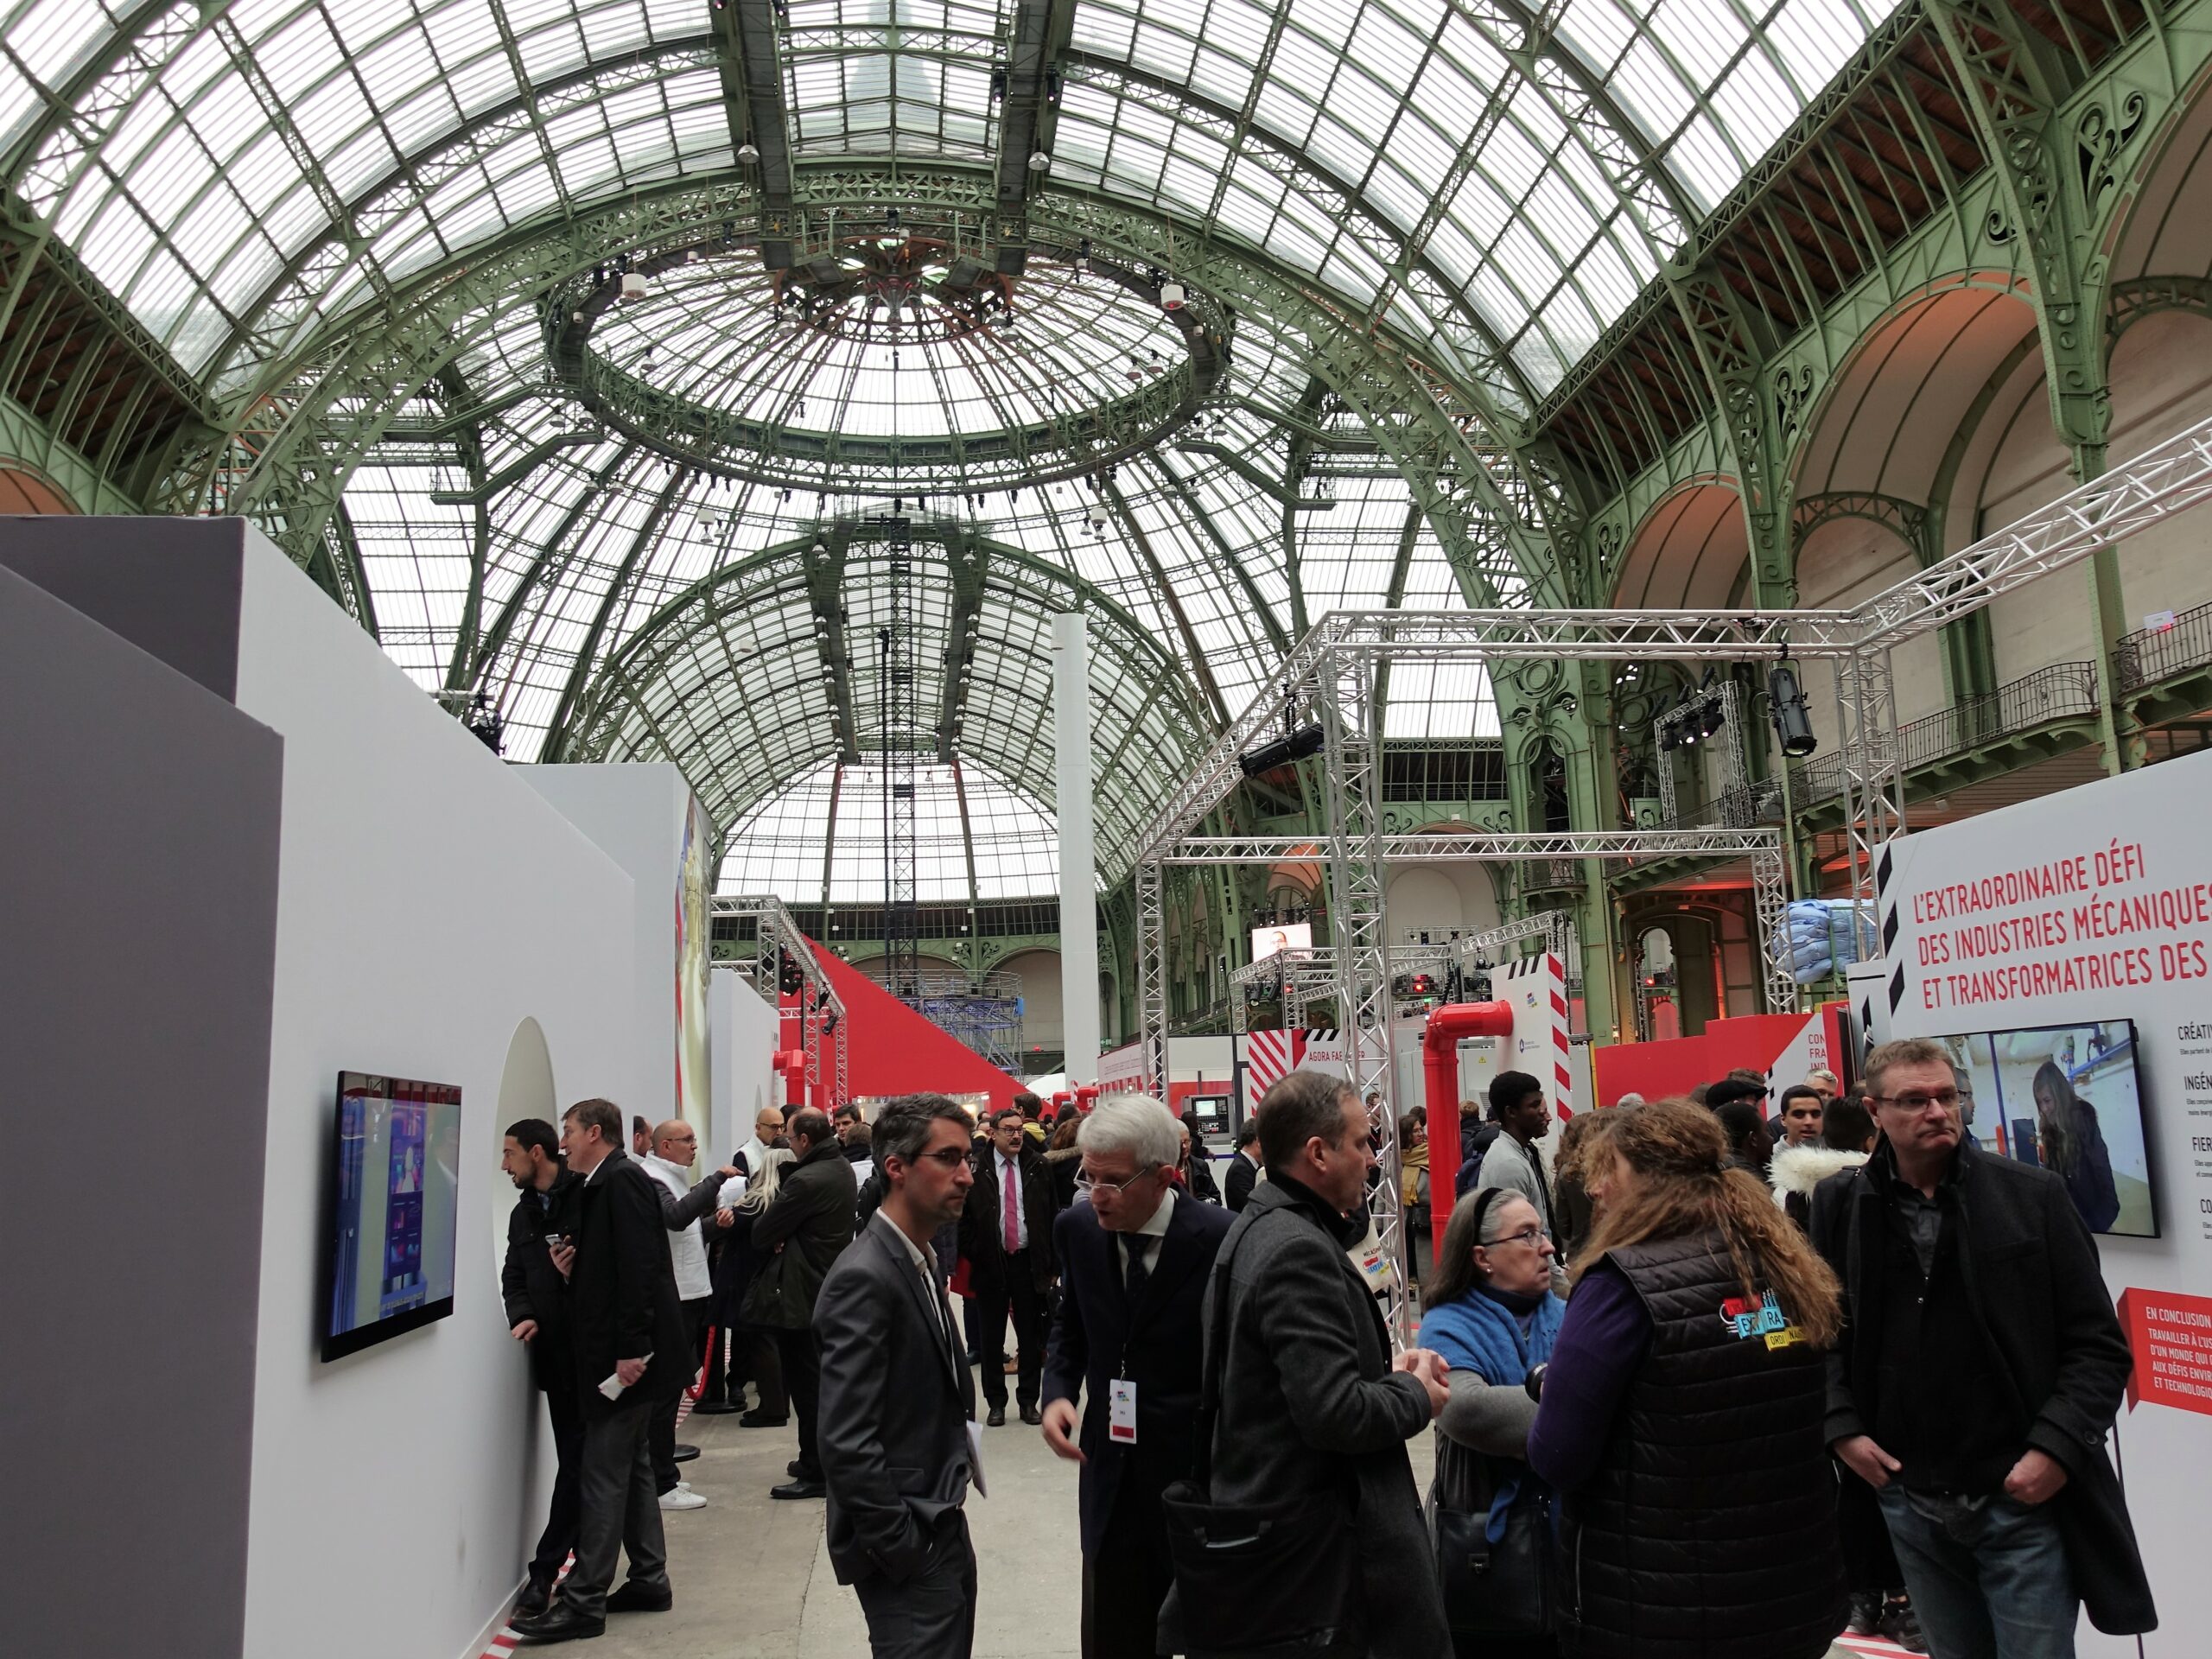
column 1134, row 1265
column 1977, row 1378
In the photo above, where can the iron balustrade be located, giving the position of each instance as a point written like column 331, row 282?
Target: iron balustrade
column 2059, row 692
column 2149, row 655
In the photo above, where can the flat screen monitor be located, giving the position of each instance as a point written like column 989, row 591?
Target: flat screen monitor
column 2066, row 1098
column 395, row 1187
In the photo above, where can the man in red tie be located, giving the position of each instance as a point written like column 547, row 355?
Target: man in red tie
column 1006, row 1236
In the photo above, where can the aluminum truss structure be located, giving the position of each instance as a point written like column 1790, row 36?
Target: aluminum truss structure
column 895, row 691
column 1554, row 927
column 1301, row 977
column 822, row 1011
column 1721, row 695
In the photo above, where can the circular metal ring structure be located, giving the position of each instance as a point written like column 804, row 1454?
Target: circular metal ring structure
column 885, row 361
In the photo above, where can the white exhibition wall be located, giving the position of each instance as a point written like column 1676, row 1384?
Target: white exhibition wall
column 2092, row 906
column 746, row 1035
column 645, row 817
column 430, row 905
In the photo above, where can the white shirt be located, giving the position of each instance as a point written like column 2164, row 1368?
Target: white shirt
column 925, row 1263
column 1010, row 1180
column 687, row 1251
column 1148, row 1237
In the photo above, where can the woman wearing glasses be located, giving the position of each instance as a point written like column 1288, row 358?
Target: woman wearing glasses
column 1681, row 1414
column 1493, row 1317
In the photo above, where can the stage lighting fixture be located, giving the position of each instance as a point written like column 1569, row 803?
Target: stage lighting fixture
column 1669, row 738
column 1711, row 720
column 1171, row 296
column 1785, row 698
column 1296, row 746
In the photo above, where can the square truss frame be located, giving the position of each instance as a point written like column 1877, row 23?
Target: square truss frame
column 824, row 1032
column 1332, row 675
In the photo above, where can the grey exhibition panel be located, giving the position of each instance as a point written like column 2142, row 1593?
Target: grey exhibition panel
column 139, row 815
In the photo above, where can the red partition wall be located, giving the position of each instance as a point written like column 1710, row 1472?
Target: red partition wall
column 1677, row 1065
column 896, row 1051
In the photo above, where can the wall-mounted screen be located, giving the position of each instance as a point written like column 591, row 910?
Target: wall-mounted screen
column 2068, row 1098
column 396, row 1186
column 1291, row 936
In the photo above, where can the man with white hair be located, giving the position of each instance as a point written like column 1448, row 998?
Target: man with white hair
column 1134, row 1266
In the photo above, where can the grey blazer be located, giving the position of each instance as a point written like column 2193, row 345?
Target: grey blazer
column 1309, row 1404
column 896, row 1402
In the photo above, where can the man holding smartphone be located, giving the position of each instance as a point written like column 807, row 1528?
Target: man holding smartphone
column 623, row 1312
column 536, row 1299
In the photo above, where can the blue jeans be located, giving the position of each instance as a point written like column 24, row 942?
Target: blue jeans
column 1987, row 1583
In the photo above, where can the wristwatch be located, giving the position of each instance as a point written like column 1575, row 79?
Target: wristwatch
column 1535, row 1383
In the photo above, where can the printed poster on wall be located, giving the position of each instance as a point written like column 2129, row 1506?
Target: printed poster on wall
column 2062, row 951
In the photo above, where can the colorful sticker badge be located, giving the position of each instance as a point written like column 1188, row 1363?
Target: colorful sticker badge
column 1764, row 1318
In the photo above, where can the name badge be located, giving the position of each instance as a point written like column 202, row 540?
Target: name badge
column 1122, row 1411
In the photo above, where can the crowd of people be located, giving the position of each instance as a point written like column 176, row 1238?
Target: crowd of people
column 1703, row 1383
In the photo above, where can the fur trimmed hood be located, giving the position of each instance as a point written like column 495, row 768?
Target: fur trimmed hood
column 1800, row 1169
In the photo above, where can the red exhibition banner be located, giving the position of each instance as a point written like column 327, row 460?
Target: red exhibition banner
column 2172, row 1337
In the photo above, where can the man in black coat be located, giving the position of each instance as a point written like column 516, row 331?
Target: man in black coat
column 1134, row 1263
column 1978, row 1376
column 801, row 1234
column 536, row 1299
column 1243, row 1167
column 1313, row 1409
column 1009, row 1250
column 629, row 1333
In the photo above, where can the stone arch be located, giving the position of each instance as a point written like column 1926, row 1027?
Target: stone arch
column 526, row 1090
column 1691, row 551
column 23, row 489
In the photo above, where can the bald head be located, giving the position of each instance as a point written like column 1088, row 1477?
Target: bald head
column 675, row 1141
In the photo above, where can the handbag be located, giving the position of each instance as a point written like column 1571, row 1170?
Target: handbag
column 773, row 1299
column 1502, row 1588
column 1272, row 1578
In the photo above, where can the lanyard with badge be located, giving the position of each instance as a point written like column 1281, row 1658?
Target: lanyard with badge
column 1122, row 1392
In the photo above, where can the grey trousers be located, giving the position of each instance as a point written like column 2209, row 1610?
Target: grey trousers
column 931, row 1615
column 621, row 1507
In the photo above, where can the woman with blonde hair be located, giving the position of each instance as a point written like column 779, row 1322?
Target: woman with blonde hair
column 1680, row 1416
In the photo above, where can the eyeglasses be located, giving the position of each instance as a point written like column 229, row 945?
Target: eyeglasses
column 1947, row 1098
column 1529, row 1235
column 946, row 1157
column 1086, row 1182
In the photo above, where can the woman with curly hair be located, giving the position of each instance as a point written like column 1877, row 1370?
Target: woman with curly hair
column 1681, row 1414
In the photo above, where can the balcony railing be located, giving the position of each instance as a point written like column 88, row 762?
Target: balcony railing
column 2149, row 655
column 2061, row 691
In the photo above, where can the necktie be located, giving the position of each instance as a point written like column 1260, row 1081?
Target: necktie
column 1133, row 1279
column 1010, row 1195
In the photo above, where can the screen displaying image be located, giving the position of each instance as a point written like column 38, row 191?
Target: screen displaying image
column 395, row 1193
column 2066, row 1098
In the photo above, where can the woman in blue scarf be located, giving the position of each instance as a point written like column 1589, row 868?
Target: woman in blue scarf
column 1493, row 1317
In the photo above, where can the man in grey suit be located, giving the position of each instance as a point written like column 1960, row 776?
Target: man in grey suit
column 1311, row 1400
column 898, row 1400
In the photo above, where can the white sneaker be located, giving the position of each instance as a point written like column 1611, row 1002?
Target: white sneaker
column 682, row 1498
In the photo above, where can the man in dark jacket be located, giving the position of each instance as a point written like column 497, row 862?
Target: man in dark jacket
column 804, row 1229
column 628, row 1330
column 1134, row 1265
column 1243, row 1167
column 1006, row 1233
column 538, row 1314
column 1978, row 1377
column 1312, row 1408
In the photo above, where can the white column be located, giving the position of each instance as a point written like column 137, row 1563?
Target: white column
column 1078, row 867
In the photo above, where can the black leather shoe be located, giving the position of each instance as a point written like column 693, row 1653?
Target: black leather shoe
column 793, row 1469
column 997, row 1419
column 559, row 1623
column 635, row 1598
column 800, row 1488
column 715, row 1409
column 1032, row 1416
column 536, row 1598
column 684, row 1453
column 754, row 1420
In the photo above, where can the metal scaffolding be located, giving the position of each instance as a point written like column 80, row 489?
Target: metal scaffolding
column 821, row 1010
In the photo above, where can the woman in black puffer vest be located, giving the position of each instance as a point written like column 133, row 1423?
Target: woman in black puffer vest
column 1682, row 1411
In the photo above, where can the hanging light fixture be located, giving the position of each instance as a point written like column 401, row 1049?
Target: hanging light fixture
column 1785, row 698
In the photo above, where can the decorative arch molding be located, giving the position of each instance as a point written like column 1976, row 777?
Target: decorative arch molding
column 25, row 487
column 2139, row 297
column 1909, row 521
column 1690, row 547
